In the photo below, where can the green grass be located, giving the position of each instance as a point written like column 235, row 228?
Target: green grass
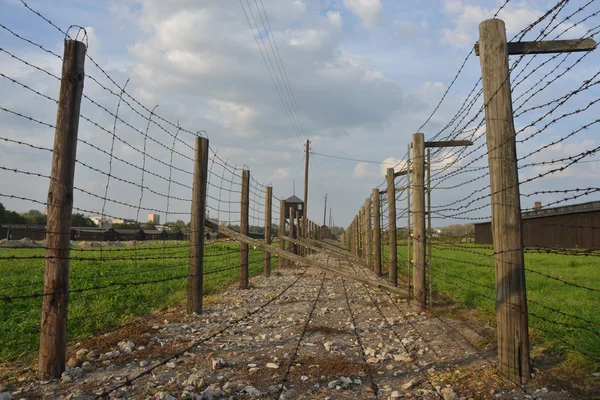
column 156, row 280
column 469, row 280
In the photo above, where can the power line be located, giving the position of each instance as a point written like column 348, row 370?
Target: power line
column 287, row 104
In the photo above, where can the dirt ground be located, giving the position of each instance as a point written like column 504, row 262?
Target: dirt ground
column 299, row 334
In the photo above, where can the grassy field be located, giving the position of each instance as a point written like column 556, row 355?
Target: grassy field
column 110, row 287
column 563, row 318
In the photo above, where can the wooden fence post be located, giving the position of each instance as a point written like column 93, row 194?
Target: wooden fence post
column 299, row 249
column 53, row 334
column 369, row 234
column 418, row 211
column 245, row 208
column 268, row 207
column 196, row 267
column 376, row 232
column 408, row 225
column 361, row 232
column 357, row 237
column 429, row 231
column 391, row 194
column 282, row 260
column 511, row 296
column 292, row 231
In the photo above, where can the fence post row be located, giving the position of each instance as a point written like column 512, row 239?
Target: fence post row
column 511, row 297
column 196, row 267
column 418, row 196
column 53, row 334
column 282, row 260
column 391, row 194
column 268, row 206
column 376, row 232
column 244, row 212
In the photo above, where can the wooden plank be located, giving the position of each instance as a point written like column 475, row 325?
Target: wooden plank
column 511, row 296
column 311, row 263
column 418, row 212
column 197, row 224
column 391, row 193
column 268, row 209
column 448, row 143
column 402, row 173
column 548, row 46
column 53, row 335
column 245, row 209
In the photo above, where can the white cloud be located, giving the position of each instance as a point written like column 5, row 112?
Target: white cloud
column 369, row 10
column 392, row 162
column 281, row 174
column 335, row 19
column 361, row 170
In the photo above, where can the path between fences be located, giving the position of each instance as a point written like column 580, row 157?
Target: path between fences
column 309, row 335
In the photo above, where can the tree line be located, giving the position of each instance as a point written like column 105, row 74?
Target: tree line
column 36, row 217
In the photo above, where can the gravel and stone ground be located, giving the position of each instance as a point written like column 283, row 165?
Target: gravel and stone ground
column 299, row 334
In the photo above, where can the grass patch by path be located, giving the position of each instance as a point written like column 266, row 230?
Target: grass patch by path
column 111, row 286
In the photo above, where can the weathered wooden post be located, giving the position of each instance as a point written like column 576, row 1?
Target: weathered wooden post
column 268, row 206
column 292, row 231
column 429, row 231
column 391, row 194
column 408, row 225
column 245, row 204
column 418, row 211
column 196, row 267
column 299, row 249
column 282, row 260
column 511, row 297
column 376, row 232
column 369, row 234
column 53, row 334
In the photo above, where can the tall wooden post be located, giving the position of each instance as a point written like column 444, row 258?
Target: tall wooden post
column 304, row 207
column 196, row 267
column 408, row 225
column 376, row 232
column 282, row 260
column 245, row 204
column 292, row 231
column 361, row 230
column 369, row 234
column 391, row 194
column 268, row 207
column 53, row 335
column 418, row 211
column 511, row 297
column 429, row 231
column 299, row 249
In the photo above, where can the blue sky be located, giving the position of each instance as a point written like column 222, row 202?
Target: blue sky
column 365, row 74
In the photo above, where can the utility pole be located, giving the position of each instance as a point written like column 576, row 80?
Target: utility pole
column 325, row 210
column 305, row 214
column 330, row 218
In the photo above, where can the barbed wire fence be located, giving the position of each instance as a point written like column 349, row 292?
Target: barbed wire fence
column 121, row 161
column 465, row 258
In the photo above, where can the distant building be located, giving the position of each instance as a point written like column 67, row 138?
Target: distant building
column 104, row 222
column 570, row 226
column 153, row 218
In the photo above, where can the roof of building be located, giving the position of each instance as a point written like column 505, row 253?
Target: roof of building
column 562, row 210
column 294, row 200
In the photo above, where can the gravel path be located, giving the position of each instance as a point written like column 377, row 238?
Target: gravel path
column 300, row 334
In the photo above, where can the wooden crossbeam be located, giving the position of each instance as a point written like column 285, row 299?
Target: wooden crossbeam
column 449, row 143
column 548, row 46
column 402, row 173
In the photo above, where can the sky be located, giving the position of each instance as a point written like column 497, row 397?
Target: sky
column 361, row 76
